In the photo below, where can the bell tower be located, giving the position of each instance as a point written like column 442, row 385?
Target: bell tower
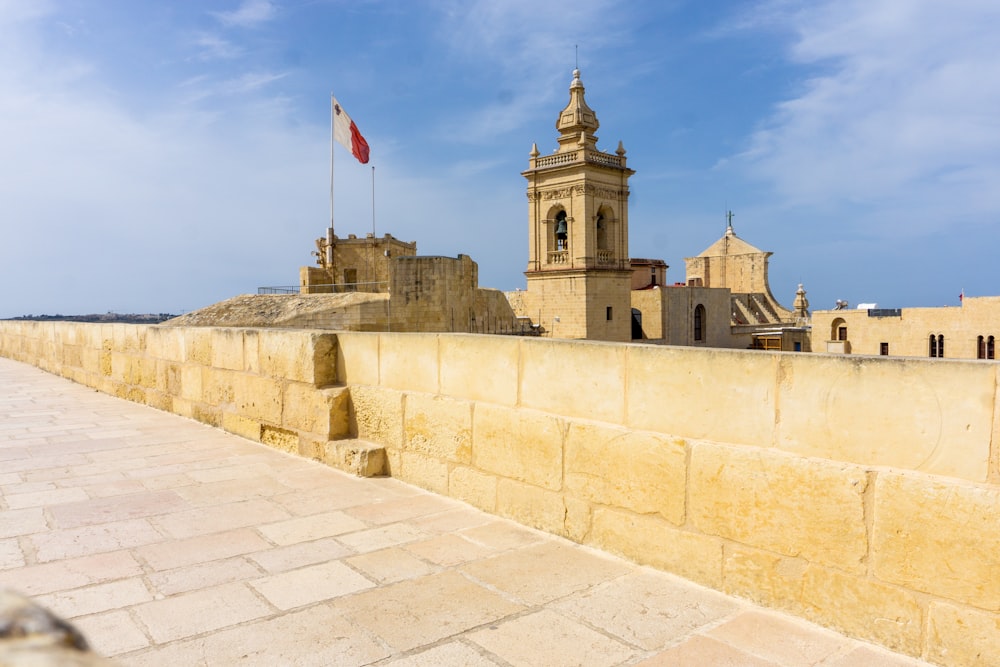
column 579, row 276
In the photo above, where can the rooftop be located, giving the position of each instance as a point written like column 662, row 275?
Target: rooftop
column 168, row 542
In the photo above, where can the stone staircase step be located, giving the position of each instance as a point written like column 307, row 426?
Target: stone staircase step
column 358, row 457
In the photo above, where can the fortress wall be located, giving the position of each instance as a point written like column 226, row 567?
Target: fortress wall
column 268, row 385
column 860, row 493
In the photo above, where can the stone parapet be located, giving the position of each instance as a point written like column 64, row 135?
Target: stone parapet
column 823, row 486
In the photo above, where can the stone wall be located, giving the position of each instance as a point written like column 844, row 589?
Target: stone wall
column 860, row 493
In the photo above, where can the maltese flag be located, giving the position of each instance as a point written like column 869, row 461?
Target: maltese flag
column 347, row 134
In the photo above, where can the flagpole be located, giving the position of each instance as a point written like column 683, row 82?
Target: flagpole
column 329, row 231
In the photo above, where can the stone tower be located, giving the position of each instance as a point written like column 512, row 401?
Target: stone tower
column 579, row 278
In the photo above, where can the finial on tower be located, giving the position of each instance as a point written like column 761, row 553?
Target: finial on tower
column 729, row 223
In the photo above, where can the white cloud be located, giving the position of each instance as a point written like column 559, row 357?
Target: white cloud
column 518, row 41
column 215, row 47
column 902, row 116
column 250, row 14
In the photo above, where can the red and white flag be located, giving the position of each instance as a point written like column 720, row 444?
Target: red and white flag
column 347, row 134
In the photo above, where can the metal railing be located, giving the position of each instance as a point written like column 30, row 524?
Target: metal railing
column 325, row 288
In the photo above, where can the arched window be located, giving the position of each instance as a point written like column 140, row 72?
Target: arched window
column 602, row 232
column 838, row 329
column 699, row 323
column 990, row 348
column 561, row 231
column 933, row 351
column 941, row 346
column 980, row 348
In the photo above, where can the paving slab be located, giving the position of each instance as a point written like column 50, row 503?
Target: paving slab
column 168, row 542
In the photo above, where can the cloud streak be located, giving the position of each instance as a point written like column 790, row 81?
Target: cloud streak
column 250, row 14
column 903, row 115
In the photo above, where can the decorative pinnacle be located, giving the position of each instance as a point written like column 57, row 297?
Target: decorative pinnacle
column 534, row 150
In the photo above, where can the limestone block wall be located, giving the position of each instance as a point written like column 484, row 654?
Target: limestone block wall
column 275, row 386
column 862, row 493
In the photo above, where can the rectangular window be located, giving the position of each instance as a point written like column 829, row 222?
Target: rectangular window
column 842, row 333
column 883, row 349
column 609, row 313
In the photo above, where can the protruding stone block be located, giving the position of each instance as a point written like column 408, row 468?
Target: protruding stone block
column 358, row 457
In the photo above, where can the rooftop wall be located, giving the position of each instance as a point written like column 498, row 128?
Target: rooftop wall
column 861, row 493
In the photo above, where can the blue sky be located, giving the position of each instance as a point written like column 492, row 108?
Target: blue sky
column 159, row 157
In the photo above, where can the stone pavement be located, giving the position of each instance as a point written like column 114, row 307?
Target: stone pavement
column 168, row 542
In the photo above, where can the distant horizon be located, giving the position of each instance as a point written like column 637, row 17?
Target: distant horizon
column 179, row 154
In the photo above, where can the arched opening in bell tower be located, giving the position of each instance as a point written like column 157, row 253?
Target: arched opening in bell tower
column 561, row 232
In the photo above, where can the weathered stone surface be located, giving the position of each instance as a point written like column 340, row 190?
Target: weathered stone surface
column 694, row 387
column 241, row 426
column 923, row 537
column 962, row 636
column 227, row 348
column 520, row 444
column 774, row 501
column 764, row 577
column 634, row 470
column 863, row 608
column 652, row 541
column 358, row 457
column 377, row 415
column 578, row 379
column 300, row 356
column 424, row 471
column 279, row 438
column 192, row 386
column 323, row 412
column 438, row 427
column 474, row 487
column 531, row 506
column 480, row 369
column 198, row 346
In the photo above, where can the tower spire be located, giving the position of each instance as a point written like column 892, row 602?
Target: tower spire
column 577, row 119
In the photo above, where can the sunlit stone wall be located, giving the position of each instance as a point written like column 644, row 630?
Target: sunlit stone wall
column 860, row 493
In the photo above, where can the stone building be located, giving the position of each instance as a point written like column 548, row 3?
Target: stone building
column 969, row 331
column 353, row 264
column 578, row 276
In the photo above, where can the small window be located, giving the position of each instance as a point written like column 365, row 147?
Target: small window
column 980, row 348
column 883, row 349
column 842, row 333
column 936, row 344
column 609, row 313
column 990, row 348
column 699, row 322
column 798, row 346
